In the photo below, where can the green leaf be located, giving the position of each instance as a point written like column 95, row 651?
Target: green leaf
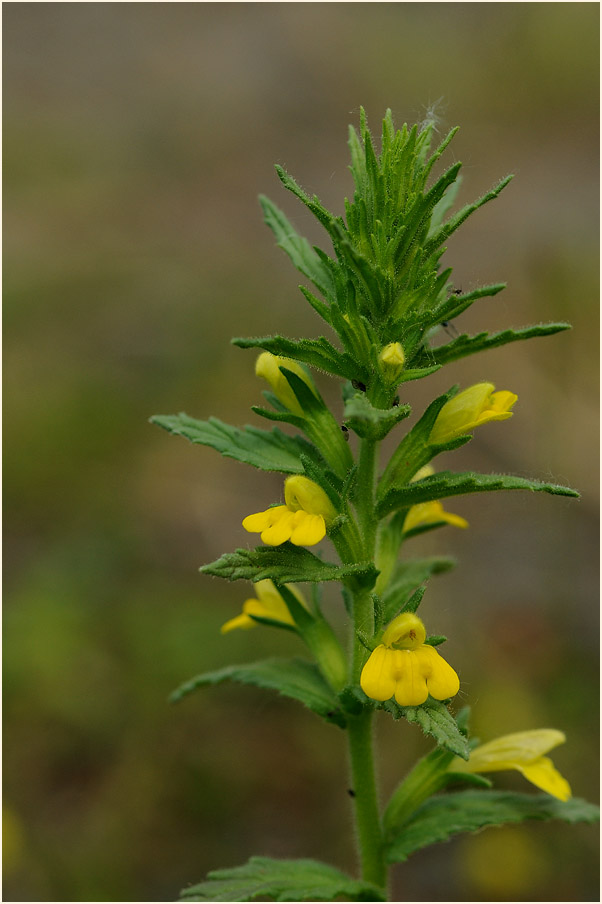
column 318, row 353
column 455, row 304
column 370, row 422
column 285, row 564
column 268, row 450
column 435, row 720
column 469, row 345
column 442, row 234
column 281, row 880
column 298, row 249
column 446, row 815
column 446, row 483
column 418, row 373
column 295, row 678
column 407, row 577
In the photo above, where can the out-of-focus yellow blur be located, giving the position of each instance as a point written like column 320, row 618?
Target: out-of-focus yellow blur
column 136, row 140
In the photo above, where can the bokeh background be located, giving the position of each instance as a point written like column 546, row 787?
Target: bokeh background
column 137, row 137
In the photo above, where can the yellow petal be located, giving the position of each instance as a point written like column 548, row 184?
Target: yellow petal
column 410, row 687
column 406, row 631
column 241, row 621
column 521, row 747
column 502, row 401
column 543, row 774
column 302, row 493
column 308, row 529
column 268, row 366
column 257, row 523
column 275, row 609
column 377, row 679
column 281, row 529
column 458, row 416
column 441, row 680
column 430, row 513
column 469, row 409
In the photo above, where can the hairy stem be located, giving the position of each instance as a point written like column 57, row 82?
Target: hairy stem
column 368, row 822
column 369, row 831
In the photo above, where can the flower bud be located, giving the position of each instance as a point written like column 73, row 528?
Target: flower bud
column 392, row 360
column 268, row 367
column 474, row 406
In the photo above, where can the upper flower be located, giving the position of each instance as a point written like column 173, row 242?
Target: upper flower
column 268, row 366
column 268, row 604
column 523, row 751
column 470, row 408
column 405, row 667
column 303, row 520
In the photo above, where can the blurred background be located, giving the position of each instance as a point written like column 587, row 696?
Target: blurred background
column 137, row 137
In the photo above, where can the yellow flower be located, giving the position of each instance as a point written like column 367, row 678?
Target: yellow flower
column 268, row 604
column 523, row 751
column 405, row 667
column 268, row 366
column 303, row 520
column 474, row 406
column 429, row 512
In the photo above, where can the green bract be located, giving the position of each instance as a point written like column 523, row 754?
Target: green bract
column 383, row 297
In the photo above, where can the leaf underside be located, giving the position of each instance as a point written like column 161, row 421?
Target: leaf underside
column 297, row 679
column 267, row 450
column 434, row 719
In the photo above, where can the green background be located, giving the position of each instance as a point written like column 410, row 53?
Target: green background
column 136, row 139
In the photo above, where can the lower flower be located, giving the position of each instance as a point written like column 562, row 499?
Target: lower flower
column 523, row 751
column 406, row 668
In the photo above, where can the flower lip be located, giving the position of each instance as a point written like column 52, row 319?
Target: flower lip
column 523, row 751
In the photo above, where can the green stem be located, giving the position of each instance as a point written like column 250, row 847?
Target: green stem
column 369, row 831
column 367, row 814
column 365, row 495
